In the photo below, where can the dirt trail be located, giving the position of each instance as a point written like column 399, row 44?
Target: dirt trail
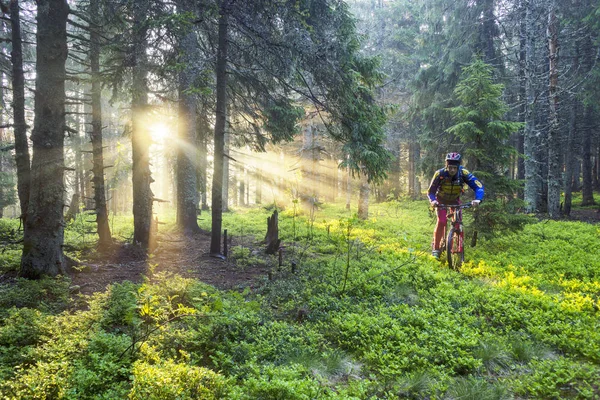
column 185, row 256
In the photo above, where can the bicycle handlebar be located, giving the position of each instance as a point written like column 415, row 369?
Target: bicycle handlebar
column 459, row 206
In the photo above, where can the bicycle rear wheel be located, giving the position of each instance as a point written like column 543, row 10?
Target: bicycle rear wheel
column 455, row 250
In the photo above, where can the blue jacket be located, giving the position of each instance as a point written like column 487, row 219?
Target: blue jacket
column 447, row 190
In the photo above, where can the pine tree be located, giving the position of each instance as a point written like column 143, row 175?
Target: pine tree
column 481, row 129
column 484, row 137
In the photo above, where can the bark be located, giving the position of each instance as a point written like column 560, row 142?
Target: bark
column 259, row 182
column 140, row 138
column 233, row 182
column 202, row 162
column 242, row 201
column 488, row 32
column 577, row 168
column 104, row 238
column 597, row 168
column 226, row 172
column 73, row 208
column 187, row 192
column 532, row 175
column 522, row 93
column 570, row 159
column 554, row 166
column 363, row 198
column 44, row 233
column 587, row 190
column 272, row 237
column 19, row 125
column 219, row 133
column 414, row 154
column 4, row 167
column 79, row 186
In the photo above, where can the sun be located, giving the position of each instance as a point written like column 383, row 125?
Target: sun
column 160, row 132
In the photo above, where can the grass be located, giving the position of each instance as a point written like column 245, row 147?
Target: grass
column 370, row 314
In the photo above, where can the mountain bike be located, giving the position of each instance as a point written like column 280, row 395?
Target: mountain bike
column 453, row 243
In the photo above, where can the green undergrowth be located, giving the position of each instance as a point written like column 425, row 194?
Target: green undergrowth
column 366, row 314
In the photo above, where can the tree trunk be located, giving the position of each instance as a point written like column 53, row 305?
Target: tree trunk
column 587, row 165
column 522, row 92
column 202, row 172
column 363, row 198
column 414, row 190
column 140, row 138
column 104, row 238
column 219, row 136
column 597, row 167
column 488, row 32
column 226, row 173
column 259, row 181
column 187, row 191
column 532, row 175
column 272, row 237
column 44, row 233
column 348, row 188
column 242, row 201
column 554, row 166
column 576, row 181
column 570, row 158
column 73, row 207
column 77, row 142
column 587, row 188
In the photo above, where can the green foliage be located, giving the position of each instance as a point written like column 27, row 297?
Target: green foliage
column 101, row 371
column 273, row 383
column 244, row 258
column 10, row 237
column 414, row 385
column 282, row 120
column 500, row 216
column 520, row 320
column 120, row 308
column 560, row 378
column 7, row 188
column 50, row 295
column 479, row 127
column 493, row 355
column 20, row 329
column 476, row 389
column 169, row 380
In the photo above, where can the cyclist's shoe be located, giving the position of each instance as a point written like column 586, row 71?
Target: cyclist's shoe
column 436, row 254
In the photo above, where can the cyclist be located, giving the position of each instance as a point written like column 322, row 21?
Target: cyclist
column 446, row 188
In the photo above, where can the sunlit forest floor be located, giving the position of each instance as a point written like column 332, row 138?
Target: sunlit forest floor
column 356, row 310
column 176, row 253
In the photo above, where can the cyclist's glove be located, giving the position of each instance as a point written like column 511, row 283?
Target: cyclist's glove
column 475, row 203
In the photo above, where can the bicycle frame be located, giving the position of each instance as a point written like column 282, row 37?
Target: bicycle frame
column 455, row 251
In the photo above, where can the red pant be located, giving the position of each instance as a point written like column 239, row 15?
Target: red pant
column 440, row 227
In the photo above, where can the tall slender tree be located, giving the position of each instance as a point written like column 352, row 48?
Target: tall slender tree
column 140, row 137
column 554, row 166
column 104, row 237
column 18, row 106
column 219, row 133
column 44, row 233
column 187, row 191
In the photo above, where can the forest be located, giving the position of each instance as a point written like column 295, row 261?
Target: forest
column 228, row 199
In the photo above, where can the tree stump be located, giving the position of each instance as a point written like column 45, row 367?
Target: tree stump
column 73, row 208
column 272, row 237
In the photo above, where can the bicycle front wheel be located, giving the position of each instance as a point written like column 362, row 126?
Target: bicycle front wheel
column 454, row 249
